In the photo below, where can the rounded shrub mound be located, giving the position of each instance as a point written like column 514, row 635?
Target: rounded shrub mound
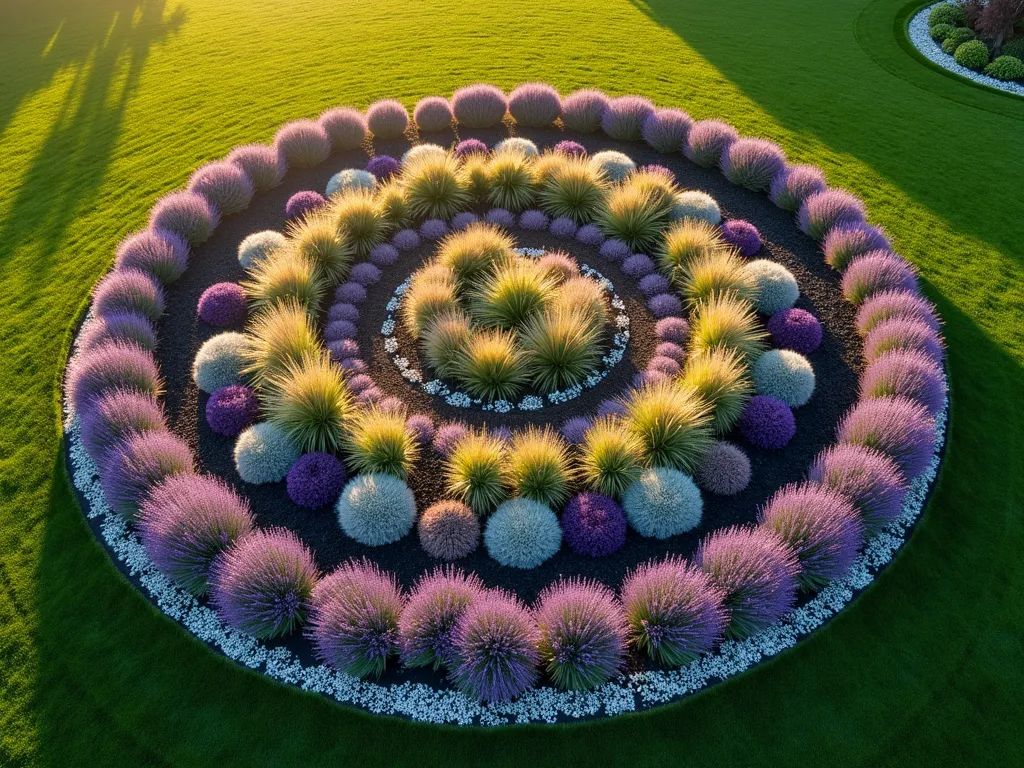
column 129, row 290
column 614, row 165
column 376, row 509
column 187, row 521
column 522, row 533
column 696, row 205
column 624, row 117
column 896, row 304
column 582, row 110
column 223, row 304
column 164, row 255
column 775, row 287
column 111, row 366
column 426, row 628
column 264, row 453
column 303, row 143
column 1006, row 68
column 186, row 214
column 795, row 329
column 231, row 409
column 350, row 178
column 820, row 525
column 874, row 272
column 743, row 235
column 758, row 573
column 262, row 584
column 665, row 129
column 257, row 246
column 432, row 114
column 116, row 417
column 724, row 470
column 673, row 610
column 582, row 640
column 752, row 163
column 387, row 119
column 905, row 335
column 535, row 105
column 448, row 530
column 345, row 126
column 785, row 375
column 826, row 209
column 662, row 503
column 495, row 645
column 947, row 13
column 594, row 525
column 220, row 361
column 845, row 242
column 141, row 462
column 315, row 480
column 794, row 184
column 707, row 140
column 353, row 618
column 906, row 373
column 767, row 422
column 126, row 328
column 302, row 203
column 262, row 164
column 869, row 479
column 900, row 428
column 479, row 106
column 973, row 54
column 225, row 185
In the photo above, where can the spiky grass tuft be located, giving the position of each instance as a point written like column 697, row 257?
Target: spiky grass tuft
column 316, row 237
column 721, row 378
column 635, row 215
column 443, row 341
column 560, row 349
column 515, row 292
column 278, row 337
column 723, row 322
column 686, row 242
column 510, row 181
column 491, row 366
column 425, row 301
column 285, row 276
column 610, row 457
column 575, row 188
column 538, row 466
column 673, row 424
column 436, row 188
column 393, row 204
column 359, row 220
column 309, row 402
column 475, row 471
column 719, row 273
column 379, row 441
column 474, row 251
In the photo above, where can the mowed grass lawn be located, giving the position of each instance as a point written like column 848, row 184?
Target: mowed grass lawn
column 106, row 104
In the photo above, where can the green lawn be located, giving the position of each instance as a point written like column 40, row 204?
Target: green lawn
column 106, row 104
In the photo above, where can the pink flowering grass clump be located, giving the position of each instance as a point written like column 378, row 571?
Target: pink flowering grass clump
column 707, row 140
column 140, row 463
column 892, row 304
column 112, row 366
column 345, row 126
column 845, row 242
column 674, row 611
column 125, row 327
column 264, row 165
column 495, row 649
column 433, row 114
column 303, row 143
column 436, row 604
column 752, row 163
column 225, row 185
column 900, row 428
column 665, row 130
column 262, row 585
column 758, row 573
column 129, row 290
column 624, row 117
column 908, row 373
column 535, row 105
column 479, row 106
column 820, row 525
column 795, row 183
column 186, row 214
column 353, row 618
column 826, row 209
column 871, row 481
column 906, row 335
column 387, row 119
column 189, row 520
column 582, row 110
column 161, row 254
column 877, row 271
column 116, row 417
column 582, row 634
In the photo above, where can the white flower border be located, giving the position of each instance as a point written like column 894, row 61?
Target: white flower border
column 917, row 31
column 424, row 703
column 457, row 399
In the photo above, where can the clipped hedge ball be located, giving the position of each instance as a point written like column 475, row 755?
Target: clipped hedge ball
column 449, row 530
column 777, row 289
column 522, row 533
column 264, row 454
column 376, row 509
column 223, row 304
column 785, row 375
column 219, row 362
column 663, row 502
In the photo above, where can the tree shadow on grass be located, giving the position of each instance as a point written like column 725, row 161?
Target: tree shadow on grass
column 120, row 684
column 950, row 147
column 72, row 161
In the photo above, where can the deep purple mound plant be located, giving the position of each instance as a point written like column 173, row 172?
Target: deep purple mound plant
column 767, row 422
column 315, row 480
column 743, row 235
column 231, row 409
column 795, row 329
column 594, row 525
column 302, row 203
column 223, row 304
column 382, row 166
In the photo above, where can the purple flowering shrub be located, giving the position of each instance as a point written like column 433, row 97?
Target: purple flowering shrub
column 302, row 203
column 141, row 462
column 794, row 184
column 345, row 126
column 186, row 214
column 315, row 480
column 743, row 235
column 795, row 329
column 303, row 143
column 871, row 481
column 767, row 422
column 436, row 604
column 225, row 186
column 826, row 209
column 906, row 373
column 110, row 366
column 222, row 305
column 900, row 428
column 707, row 140
column 593, row 525
column 116, row 417
column 231, row 409
column 433, row 114
column 752, row 163
column 845, row 242
column 164, row 255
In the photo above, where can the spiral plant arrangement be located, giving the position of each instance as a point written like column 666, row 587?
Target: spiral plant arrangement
column 417, row 428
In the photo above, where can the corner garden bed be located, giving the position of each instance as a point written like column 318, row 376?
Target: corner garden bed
column 591, row 371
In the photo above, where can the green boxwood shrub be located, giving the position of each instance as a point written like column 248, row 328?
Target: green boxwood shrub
column 973, row 54
column 947, row 14
column 956, row 38
column 940, row 32
column 1006, row 68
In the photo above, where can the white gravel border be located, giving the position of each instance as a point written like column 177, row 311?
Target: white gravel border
column 918, row 33
column 424, row 703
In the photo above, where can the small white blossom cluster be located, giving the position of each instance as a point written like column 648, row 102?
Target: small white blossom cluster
column 457, row 399
column 917, row 30
column 421, row 702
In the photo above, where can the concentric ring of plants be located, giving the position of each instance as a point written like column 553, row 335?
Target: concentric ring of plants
column 552, row 412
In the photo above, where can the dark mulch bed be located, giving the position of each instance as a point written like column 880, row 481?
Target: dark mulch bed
column 836, row 364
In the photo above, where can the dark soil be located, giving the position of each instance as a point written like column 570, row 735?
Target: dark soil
column 836, row 364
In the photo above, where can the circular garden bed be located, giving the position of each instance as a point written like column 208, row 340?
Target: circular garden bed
column 522, row 408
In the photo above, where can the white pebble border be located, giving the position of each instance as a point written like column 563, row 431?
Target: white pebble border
column 457, row 399
column 421, row 702
column 918, row 33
